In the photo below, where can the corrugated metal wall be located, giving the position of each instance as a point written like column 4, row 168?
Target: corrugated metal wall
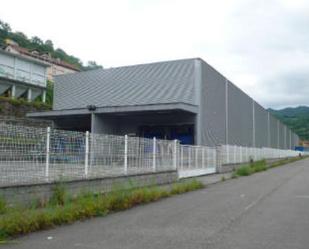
column 212, row 109
column 261, row 126
column 273, row 123
column 240, row 122
column 215, row 101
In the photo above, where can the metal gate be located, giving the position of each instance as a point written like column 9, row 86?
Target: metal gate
column 196, row 160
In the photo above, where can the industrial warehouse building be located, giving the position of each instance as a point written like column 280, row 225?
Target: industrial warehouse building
column 185, row 99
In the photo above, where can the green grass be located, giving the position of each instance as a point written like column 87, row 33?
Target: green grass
column 64, row 209
column 3, row 206
column 285, row 161
column 251, row 168
column 261, row 165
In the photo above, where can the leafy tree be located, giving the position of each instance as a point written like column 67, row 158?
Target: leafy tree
column 21, row 35
column 49, row 43
column 36, row 40
column 5, row 27
column 92, row 65
column 49, row 93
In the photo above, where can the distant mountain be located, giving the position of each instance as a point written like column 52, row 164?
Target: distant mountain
column 296, row 118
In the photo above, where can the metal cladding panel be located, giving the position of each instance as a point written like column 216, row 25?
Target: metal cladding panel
column 261, row 126
column 7, row 60
column 292, row 140
column 212, row 109
column 285, row 130
column 273, row 131
column 155, row 83
column 281, row 135
column 240, row 121
column 296, row 140
column 289, row 138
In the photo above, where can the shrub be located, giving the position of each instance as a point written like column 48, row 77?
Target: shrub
column 3, row 206
column 244, row 171
column 58, row 196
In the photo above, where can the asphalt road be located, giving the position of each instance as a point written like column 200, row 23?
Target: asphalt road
column 265, row 210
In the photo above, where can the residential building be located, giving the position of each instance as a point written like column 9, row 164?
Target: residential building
column 56, row 66
column 22, row 77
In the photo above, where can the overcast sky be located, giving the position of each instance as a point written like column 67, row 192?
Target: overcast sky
column 262, row 46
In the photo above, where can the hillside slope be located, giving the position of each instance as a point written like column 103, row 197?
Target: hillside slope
column 296, row 118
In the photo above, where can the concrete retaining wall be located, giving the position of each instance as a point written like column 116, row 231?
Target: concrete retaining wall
column 28, row 194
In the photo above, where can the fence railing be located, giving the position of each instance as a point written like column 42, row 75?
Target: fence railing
column 233, row 154
column 31, row 155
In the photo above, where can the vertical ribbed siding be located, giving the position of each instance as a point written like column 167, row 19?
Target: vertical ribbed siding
column 240, row 117
column 260, row 126
column 273, row 132
column 212, row 106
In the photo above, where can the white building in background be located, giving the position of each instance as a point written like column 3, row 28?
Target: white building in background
column 22, row 77
column 56, row 66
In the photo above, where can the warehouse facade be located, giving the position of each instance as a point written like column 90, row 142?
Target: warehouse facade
column 185, row 99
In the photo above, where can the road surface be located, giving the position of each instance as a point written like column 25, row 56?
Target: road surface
column 265, row 210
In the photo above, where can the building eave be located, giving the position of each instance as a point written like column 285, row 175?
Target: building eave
column 118, row 109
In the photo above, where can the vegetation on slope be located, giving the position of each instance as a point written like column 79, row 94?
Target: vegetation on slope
column 296, row 118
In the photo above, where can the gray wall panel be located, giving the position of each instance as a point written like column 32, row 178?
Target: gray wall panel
column 261, row 126
column 240, row 121
column 273, row 132
column 281, row 135
column 212, row 106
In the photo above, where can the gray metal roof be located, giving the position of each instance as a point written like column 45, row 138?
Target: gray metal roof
column 154, row 83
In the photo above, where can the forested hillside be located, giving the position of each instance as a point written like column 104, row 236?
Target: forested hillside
column 296, row 118
column 35, row 43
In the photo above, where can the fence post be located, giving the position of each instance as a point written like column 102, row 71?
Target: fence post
column 126, row 154
column 86, row 152
column 235, row 153
column 189, row 157
column 203, row 158
column 219, row 158
column 175, row 155
column 154, row 151
column 47, row 153
column 196, row 149
column 240, row 154
column 181, row 157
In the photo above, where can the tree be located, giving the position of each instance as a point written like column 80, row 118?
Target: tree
column 21, row 35
column 92, row 65
column 36, row 40
column 5, row 26
column 49, row 43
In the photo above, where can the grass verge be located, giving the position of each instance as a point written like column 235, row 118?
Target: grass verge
column 261, row 165
column 64, row 210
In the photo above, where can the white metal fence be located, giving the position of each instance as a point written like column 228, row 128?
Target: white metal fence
column 233, row 154
column 34, row 155
column 196, row 160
